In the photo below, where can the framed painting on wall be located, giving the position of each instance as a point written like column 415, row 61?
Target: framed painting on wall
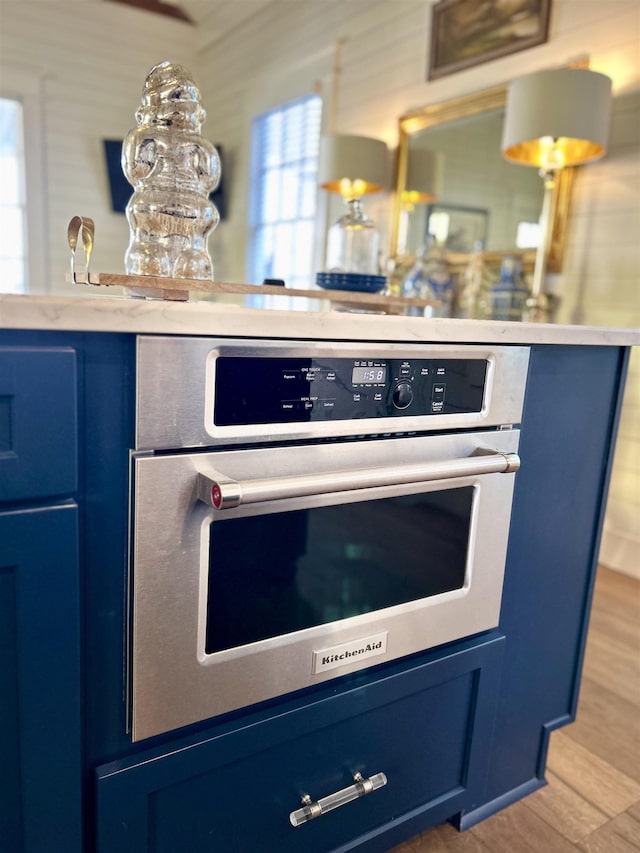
column 467, row 32
column 457, row 228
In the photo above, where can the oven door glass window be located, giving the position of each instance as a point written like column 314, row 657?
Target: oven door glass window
column 275, row 574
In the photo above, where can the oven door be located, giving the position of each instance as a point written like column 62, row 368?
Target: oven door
column 257, row 572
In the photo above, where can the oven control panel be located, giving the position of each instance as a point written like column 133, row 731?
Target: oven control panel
column 206, row 392
column 274, row 390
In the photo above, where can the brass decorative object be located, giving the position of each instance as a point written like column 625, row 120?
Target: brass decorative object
column 81, row 231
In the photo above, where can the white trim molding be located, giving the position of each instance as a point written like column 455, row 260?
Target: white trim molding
column 26, row 84
column 620, row 551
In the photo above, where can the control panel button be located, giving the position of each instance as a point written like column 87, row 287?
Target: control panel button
column 437, row 396
column 402, row 395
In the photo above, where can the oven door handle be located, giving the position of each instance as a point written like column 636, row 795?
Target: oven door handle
column 222, row 492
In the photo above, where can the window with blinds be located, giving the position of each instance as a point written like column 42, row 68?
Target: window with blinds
column 285, row 143
column 13, row 260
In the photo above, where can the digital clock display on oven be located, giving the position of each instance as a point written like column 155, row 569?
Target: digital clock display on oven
column 369, row 375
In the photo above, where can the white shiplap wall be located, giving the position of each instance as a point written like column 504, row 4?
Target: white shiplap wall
column 90, row 59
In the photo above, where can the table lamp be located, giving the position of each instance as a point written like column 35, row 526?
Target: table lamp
column 353, row 166
column 554, row 118
column 422, row 184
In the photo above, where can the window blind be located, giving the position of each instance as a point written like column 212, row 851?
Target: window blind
column 285, row 145
column 13, row 261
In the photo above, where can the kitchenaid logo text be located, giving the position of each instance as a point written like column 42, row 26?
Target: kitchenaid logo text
column 347, row 653
column 370, row 647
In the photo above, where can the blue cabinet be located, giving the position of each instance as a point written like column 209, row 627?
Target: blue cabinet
column 38, row 422
column 427, row 728
column 459, row 731
column 40, row 704
column 569, row 424
column 40, row 674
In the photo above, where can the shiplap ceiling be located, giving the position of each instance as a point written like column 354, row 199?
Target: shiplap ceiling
column 213, row 18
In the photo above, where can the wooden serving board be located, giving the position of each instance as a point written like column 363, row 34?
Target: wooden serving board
column 178, row 289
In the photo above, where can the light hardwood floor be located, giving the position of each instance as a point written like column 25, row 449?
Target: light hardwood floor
column 592, row 801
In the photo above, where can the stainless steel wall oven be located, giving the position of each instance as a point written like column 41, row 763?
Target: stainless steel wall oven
column 301, row 510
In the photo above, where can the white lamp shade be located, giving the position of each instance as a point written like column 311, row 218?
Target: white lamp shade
column 352, row 165
column 557, row 117
column 424, row 175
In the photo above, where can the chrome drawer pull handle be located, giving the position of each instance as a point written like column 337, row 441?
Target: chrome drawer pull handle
column 222, row 492
column 360, row 787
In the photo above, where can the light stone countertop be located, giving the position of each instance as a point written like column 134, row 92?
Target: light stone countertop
column 98, row 313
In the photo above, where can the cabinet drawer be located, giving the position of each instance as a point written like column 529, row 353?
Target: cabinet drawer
column 38, row 422
column 426, row 728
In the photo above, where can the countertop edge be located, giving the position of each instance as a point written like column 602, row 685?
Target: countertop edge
column 138, row 316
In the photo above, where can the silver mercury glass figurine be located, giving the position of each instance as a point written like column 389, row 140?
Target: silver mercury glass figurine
column 173, row 170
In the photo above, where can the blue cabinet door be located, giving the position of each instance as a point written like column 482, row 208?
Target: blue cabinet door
column 40, row 756
column 38, row 422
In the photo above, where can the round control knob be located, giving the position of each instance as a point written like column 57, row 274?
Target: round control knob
column 402, row 395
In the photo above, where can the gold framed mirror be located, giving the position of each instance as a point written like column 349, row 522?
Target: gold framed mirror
column 487, row 197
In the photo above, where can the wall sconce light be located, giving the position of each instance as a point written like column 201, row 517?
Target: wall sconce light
column 554, row 118
column 353, row 166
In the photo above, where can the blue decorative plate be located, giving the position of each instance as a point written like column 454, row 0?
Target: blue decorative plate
column 351, row 281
